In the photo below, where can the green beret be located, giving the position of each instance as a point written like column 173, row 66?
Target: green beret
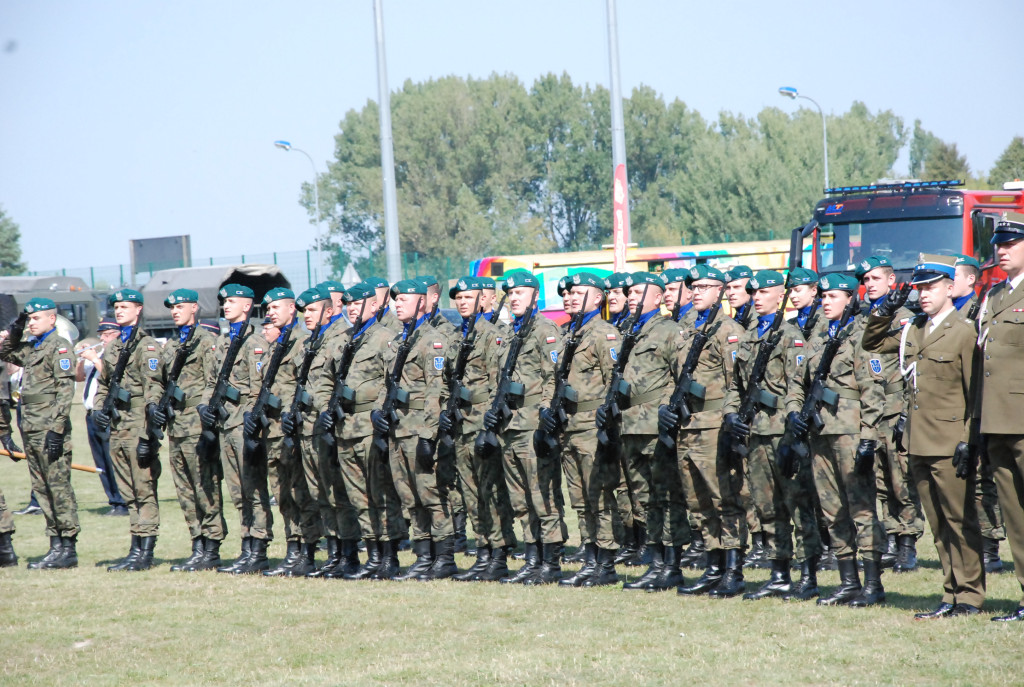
column 738, row 272
column 39, row 305
column 671, row 276
column 467, row 283
column 838, row 281
column 234, row 291
column 125, row 296
column 488, row 283
column 409, row 286
column 644, row 278
column 332, row 286
column 868, row 264
column 427, row 279
column 278, row 294
column 360, row 291
column 586, row 279
column 765, row 279
column 563, row 286
column 377, row 282
column 616, row 280
column 801, row 275
column 519, row 278
column 181, row 296
column 968, row 261
column 312, row 296
column 704, row 272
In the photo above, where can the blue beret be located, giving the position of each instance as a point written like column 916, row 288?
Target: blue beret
column 868, row 264
column 278, row 294
column 39, row 305
column 181, row 296
column 125, row 296
column 234, row 291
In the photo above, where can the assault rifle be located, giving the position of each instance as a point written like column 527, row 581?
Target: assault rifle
column 546, row 444
column 812, row 318
column 266, row 399
column 302, row 401
column 457, row 393
column 223, row 392
column 618, row 389
column 173, row 395
column 117, row 395
column 341, row 393
column 394, row 394
column 685, row 386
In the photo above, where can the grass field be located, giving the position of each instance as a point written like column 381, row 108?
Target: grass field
column 87, row 626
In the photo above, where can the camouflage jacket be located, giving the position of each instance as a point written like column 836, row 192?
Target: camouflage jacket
column 140, row 373
column 481, row 377
column 650, row 373
column 892, row 384
column 327, row 347
column 47, row 383
column 196, row 381
column 782, row 370
column 246, row 373
column 535, row 370
column 284, row 383
column 591, row 372
column 365, row 378
column 423, row 377
column 714, row 371
column 390, row 322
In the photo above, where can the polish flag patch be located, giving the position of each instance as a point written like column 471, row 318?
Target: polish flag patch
column 798, row 343
column 904, row 321
column 62, row 350
column 438, row 344
column 499, row 339
column 551, row 339
column 612, row 337
column 732, row 339
column 150, row 348
column 258, row 351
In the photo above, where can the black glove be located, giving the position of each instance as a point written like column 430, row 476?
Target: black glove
column 325, row 422
column 491, row 420
column 894, row 301
column 249, row 424
column 445, row 422
column 732, row 424
column 8, row 443
column 796, row 425
column 897, row 432
column 425, row 454
column 668, row 422
column 548, row 421
column 157, row 417
column 379, row 422
column 864, row 462
column 601, row 416
column 53, row 445
column 207, row 417
column 963, row 461
column 145, row 452
column 18, row 326
column 289, row 423
column 101, row 420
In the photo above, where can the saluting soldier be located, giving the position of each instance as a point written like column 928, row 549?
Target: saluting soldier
column 901, row 506
column 196, row 481
column 136, row 463
column 935, row 352
column 299, row 513
column 47, row 386
column 843, row 450
column 997, row 385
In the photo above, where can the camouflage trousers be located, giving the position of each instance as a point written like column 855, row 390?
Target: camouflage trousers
column 51, row 483
column 197, row 483
column 327, row 489
column 137, row 485
column 448, row 478
column 246, row 480
column 784, row 505
column 899, row 503
column 533, row 488
column 712, row 489
column 421, row 495
column 594, row 498
column 657, row 488
column 299, row 513
column 987, row 500
column 367, row 479
column 847, row 499
column 6, row 518
column 484, row 494
column 1006, row 456
column 574, row 485
column 948, row 501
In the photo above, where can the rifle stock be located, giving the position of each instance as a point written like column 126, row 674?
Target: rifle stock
column 547, row 444
column 685, row 385
column 266, row 399
column 116, row 394
column 173, row 395
column 618, row 388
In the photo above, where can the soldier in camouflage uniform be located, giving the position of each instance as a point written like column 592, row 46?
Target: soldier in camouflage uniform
column 412, row 440
column 136, row 463
column 364, row 470
column 843, row 450
column 385, row 313
column 897, row 493
column 47, row 385
column 7, row 556
column 299, row 513
column 196, row 481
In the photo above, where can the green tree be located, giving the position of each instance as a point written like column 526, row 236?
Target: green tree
column 922, row 143
column 10, row 246
column 946, row 162
column 1010, row 165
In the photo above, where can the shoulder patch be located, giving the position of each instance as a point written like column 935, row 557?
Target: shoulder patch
column 613, row 354
column 798, row 343
column 258, row 351
column 150, row 348
column 152, row 364
column 799, row 360
column 904, row 321
column 62, row 351
column 732, row 339
column 65, row 364
column 876, row 366
column 554, row 356
column 438, row 344
column 259, row 365
column 734, row 356
column 498, row 339
column 551, row 339
column 439, row 362
column 611, row 337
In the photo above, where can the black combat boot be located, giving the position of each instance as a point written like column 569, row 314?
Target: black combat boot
column 133, row 553
column 444, row 561
column 671, row 574
column 242, row 558
column 530, row 566
column 211, row 556
column 604, row 571
column 710, row 578
column 388, row 560
column 990, row 556
column 292, row 552
column 758, row 556
column 459, row 523
column 348, row 560
column 68, row 557
column 891, row 551
column 849, row 584
column 373, row 560
column 644, row 555
column 305, row 562
column 497, row 569
column 51, row 555
column 424, row 550
column 657, row 562
column 483, row 559
column 807, row 588
column 588, row 569
column 198, row 545
column 779, row 584
column 696, row 555
column 577, row 556
column 873, row 593
column 828, row 560
column 550, row 570
column 257, row 561
column 629, row 545
column 8, row 559
column 731, row 583
column 906, row 558
column 145, row 559
column 332, row 561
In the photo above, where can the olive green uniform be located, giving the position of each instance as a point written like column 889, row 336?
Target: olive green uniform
column 447, row 472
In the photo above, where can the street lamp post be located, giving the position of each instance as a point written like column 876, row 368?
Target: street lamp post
column 285, row 145
column 793, row 94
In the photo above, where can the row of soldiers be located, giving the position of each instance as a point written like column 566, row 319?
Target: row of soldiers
column 693, row 429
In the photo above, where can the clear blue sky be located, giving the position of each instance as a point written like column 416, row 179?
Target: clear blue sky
column 136, row 119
